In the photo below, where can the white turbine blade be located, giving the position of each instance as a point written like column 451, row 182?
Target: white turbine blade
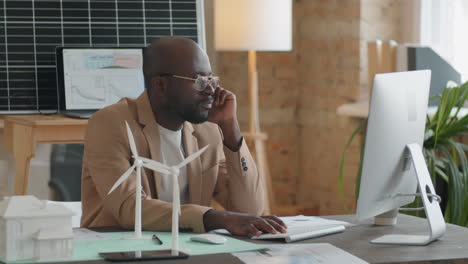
column 191, row 157
column 131, row 140
column 154, row 165
column 122, row 178
column 155, row 168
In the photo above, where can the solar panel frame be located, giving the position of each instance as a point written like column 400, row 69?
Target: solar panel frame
column 30, row 31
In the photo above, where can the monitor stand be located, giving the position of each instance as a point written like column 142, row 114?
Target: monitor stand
column 431, row 206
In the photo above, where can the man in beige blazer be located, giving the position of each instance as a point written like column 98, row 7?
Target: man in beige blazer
column 181, row 95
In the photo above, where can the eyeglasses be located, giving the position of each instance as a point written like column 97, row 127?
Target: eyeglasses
column 201, row 82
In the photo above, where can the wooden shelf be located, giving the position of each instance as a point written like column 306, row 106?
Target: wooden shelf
column 361, row 110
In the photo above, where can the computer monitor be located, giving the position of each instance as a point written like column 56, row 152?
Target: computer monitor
column 393, row 164
column 90, row 78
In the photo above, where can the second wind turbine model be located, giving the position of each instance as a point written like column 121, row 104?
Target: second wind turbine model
column 171, row 171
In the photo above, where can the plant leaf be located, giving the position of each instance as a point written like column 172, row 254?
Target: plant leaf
column 455, row 187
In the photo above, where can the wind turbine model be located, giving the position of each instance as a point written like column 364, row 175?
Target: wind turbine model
column 172, row 171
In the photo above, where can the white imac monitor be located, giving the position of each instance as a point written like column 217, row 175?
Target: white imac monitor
column 393, row 164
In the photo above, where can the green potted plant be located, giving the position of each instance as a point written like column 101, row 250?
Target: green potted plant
column 444, row 151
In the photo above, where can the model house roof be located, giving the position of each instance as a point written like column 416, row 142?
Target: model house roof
column 52, row 234
column 26, row 206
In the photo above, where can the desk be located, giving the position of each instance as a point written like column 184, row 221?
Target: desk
column 23, row 132
column 452, row 248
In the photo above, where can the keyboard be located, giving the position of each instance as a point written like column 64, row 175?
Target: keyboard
column 301, row 233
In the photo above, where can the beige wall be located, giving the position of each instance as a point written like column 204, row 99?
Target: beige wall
column 300, row 91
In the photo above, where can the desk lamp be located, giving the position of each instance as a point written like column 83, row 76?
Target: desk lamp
column 254, row 25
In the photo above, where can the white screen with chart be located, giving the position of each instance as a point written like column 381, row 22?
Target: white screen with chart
column 95, row 78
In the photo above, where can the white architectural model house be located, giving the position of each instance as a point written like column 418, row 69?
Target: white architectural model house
column 31, row 229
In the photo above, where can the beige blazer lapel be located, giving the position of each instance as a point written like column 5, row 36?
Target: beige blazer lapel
column 151, row 132
column 194, row 168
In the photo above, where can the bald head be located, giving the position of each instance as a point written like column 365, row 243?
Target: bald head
column 174, row 55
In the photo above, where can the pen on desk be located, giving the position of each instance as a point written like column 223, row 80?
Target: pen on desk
column 157, row 240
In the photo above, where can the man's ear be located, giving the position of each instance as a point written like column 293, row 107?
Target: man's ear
column 160, row 84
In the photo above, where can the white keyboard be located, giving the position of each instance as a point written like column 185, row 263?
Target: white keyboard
column 300, row 233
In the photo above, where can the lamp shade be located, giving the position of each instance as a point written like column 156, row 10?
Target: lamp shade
column 261, row 25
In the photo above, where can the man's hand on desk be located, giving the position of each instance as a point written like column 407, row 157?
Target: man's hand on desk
column 242, row 224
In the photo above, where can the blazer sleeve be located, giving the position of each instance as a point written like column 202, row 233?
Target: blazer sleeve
column 107, row 157
column 239, row 187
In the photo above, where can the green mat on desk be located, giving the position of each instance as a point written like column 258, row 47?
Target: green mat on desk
column 89, row 250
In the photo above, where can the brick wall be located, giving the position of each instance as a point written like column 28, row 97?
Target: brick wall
column 300, row 91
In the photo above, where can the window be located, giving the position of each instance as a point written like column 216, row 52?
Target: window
column 443, row 27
